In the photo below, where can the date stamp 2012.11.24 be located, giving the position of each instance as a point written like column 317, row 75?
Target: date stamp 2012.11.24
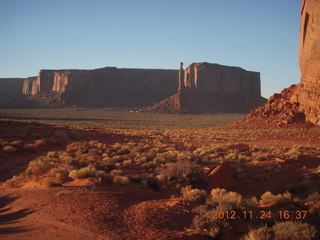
column 262, row 214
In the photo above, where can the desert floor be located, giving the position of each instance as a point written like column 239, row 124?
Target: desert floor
column 142, row 203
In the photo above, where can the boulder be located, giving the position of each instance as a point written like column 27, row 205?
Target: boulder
column 220, row 177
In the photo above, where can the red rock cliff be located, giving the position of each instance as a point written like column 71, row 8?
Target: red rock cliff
column 213, row 88
column 309, row 60
column 300, row 102
column 105, row 87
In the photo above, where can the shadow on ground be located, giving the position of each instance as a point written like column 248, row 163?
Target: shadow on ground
column 7, row 217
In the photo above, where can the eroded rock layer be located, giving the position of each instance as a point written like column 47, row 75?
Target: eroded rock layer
column 213, row 88
column 11, row 92
column 105, row 87
column 300, row 102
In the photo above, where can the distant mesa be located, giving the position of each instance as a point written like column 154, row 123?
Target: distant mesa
column 200, row 88
column 299, row 103
column 213, row 88
column 104, row 87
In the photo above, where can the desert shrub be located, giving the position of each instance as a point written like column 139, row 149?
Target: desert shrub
column 53, row 154
column 9, row 149
column 294, row 153
column 193, row 194
column 149, row 156
column 86, row 172
column 269, row 198
column 39, row 166
column 61, row 174
column 182, row 173
column 219, row 200
column 116, row 172
column 123, row 180
column 49, row 182
column 123, row 151
column 224, row 200
column 39, row 143
column 203, row 222
column 294, row 231
column 262, row 233
column 16, row 143
column 127, row 162
column 313, row 197
column 283, row 231
column 66, row 159
column 258, row 156
column 29, row 147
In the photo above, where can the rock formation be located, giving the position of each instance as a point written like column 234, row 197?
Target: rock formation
column 30, row 86
column 11, row 92
column 105, row 87
column 213, row 88
column 301, row 102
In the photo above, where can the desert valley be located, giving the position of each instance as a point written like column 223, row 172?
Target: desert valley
column 160, row 154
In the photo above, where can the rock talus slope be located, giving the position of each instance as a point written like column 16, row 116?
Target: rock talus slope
column 301, row 102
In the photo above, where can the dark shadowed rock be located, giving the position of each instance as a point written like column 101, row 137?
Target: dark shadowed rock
column 220, row 177
column 105, row 87
column 109, row 87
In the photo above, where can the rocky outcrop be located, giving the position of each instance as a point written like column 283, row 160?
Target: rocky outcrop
column 105, row 87
column 30, row 86
column 11, row 92
column 213, row 88
column 109, row 87
column 309, row 60
column 219, row 177
column 217, row 79
column 301, row 102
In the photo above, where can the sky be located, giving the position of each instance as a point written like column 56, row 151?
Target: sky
column 257, row 35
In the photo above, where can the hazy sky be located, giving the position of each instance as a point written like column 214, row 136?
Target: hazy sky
column 258, row 35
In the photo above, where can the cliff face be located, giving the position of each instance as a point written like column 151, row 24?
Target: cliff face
column 11, row 92
column 105, row 87
column 301, row 102
column 213, row 88
column 30, row 86
column 215, row 78
column 309, row 60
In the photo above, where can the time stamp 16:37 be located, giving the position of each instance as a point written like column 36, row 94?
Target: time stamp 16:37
column 263, row 215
